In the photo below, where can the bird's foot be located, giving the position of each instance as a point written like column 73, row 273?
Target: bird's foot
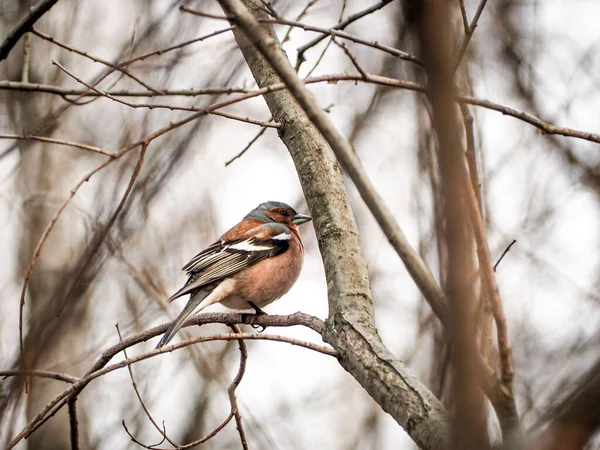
column 252, row 317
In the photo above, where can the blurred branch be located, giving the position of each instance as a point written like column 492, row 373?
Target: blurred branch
column 202, row 440
column 431, row 23
column 38, row 249
column 24, row 26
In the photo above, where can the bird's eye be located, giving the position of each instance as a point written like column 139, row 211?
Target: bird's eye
column 283, row 213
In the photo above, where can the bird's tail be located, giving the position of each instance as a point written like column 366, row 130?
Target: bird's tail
column 192, row 304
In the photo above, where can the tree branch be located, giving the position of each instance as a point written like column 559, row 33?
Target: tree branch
column 24, row 26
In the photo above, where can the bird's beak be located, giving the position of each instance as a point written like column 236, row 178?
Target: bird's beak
column 301, row 218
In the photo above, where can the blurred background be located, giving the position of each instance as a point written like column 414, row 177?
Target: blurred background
column 542, row 190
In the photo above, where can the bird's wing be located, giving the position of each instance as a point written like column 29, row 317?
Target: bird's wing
column 227, row 257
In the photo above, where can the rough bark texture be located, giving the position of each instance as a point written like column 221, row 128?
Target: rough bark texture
column 350, row 328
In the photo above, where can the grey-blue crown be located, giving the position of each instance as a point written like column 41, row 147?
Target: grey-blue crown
column 260, row 212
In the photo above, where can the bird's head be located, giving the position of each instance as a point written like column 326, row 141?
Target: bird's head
column 277, row 212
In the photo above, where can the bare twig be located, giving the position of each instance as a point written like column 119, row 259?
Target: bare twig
column 322, row 55
column 73, row 424
column 492, row 297
column 233, row 386
column 162, row 429
column 95, row 59
column 203, row 14
column 468, row 33
column 302, row 13
column 39, row 373
column 514, row 241
column 352, row 58
column 487, row 321
column 48, row 140
column 339, row 26
column 24, row 26
column 57, row 90
column 247, row 147
column 169, row 107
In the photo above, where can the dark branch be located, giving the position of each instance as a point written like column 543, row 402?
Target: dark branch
column 24, row 26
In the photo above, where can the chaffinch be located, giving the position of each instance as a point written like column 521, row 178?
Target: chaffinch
column 250, row 266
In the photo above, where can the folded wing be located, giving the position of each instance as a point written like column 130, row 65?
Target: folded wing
column 227, row 257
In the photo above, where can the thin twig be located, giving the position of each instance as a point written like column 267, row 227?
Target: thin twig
column 169, row 107
column 303, row 13
column 486, row 310
column 340, row 26
column 322, row 55
column 463, row 14
column 352, row 58
column 48, row 140
column 63, row 92
column 73, row 424
column 186, row 446
column 203, row 14
column 336, row 32
column 233, row 386
column 247, row 147
column 469, row 34
column 141, row 444
column 162, row 430
column 175, row 47
column 24, row 26
column 39, row 373
column 514, row 241
column 95, row 59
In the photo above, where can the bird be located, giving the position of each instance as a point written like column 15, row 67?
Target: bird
column 251, row 265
